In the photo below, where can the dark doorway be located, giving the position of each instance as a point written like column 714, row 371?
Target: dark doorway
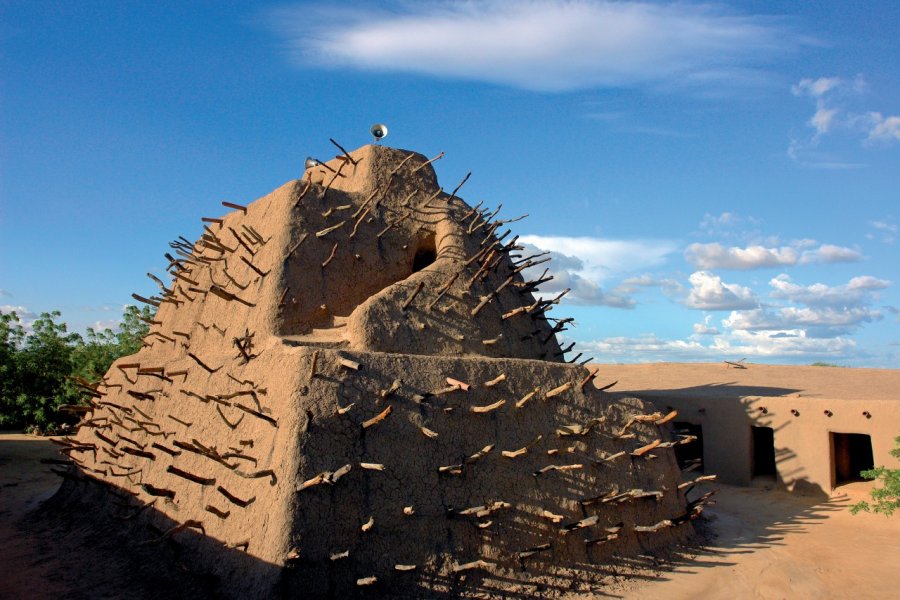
column 850, row 454
column 763, row 451
column 426, row 254
column 690, row 454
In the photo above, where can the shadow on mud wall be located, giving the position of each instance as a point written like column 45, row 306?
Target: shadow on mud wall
column 100, row 543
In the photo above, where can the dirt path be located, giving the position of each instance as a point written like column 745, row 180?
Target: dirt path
column 24, row 483
column 764, row 544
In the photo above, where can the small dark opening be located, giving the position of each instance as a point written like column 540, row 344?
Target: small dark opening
column 851, row 453
column 426, row 254
column 423, row 258
column 689, row 454
column 763, row 451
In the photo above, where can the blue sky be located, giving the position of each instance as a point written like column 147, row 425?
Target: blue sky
column 716, row 180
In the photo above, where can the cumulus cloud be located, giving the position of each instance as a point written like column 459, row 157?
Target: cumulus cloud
column 829, row 253
column 856, row 291
column 816, row 88
column 793, row 344
column 717, row 256
column 831, row 95
column 669, row 286
column 709, row 292
column 582, row 290
column 600, row 258
column 738, row 344
column 884, row 129
column 583, row 264
column 546, row 45
column 705, row 328
column 816, row 311
column 812, row 322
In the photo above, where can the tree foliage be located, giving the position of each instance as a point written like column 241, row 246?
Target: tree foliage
column 37, row 366
column 885, row 499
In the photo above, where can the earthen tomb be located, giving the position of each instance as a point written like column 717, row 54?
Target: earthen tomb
column 351, row 381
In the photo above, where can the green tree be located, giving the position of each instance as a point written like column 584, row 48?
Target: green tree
column 93, row 356
column 134, row 328
column 885, row 499
column 37, row 367
column 43, row 361
column 12, row 337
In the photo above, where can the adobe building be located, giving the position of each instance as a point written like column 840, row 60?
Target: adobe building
column 349, row 388
column 810, row 429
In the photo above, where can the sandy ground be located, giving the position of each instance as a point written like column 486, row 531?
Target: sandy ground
column 770, row 544
column 759, row 544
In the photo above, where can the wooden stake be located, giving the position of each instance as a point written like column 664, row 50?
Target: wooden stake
column 428, row 162
column 412, row 297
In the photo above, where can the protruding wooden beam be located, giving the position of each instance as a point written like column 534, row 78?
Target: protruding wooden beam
column 428, row 162
column 412, row 296
column 378, row 418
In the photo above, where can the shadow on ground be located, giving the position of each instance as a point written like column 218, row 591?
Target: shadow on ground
column 71, row 547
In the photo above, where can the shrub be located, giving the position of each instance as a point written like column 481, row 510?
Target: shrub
column 885, row 499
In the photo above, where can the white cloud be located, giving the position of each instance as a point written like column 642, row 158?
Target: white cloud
column 648, row 347
column 815, row 87
column 717, row 256
column 885, row 230
column 709, row 292
column 738, row 344
column 705, row 328
column 885, row 129
column 600, row 258
column 793, row 344
column 831, row 95
column 829, row 253
column 548, row 45
column 583, row 291
column 630, row 285
column 111, row 324
column 857, row 291
column 823, row 120
column 813, row 322
column 583, row 264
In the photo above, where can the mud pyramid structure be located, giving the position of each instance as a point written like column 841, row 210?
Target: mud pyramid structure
column 350, row 388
